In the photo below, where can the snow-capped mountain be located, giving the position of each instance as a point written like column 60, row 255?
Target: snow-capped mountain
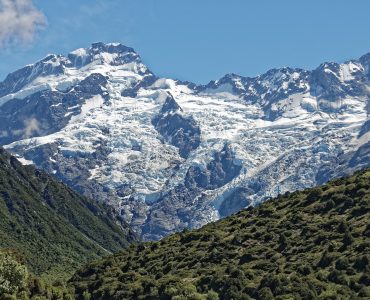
column 170, row 154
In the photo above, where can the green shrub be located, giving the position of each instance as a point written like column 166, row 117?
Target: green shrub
column 265, row 294
column 13, row 275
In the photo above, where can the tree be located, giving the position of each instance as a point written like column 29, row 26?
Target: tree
column 13, row 275
column 265, row 294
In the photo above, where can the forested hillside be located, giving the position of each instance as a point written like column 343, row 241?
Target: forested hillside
column 312, row 244
column 51, row 227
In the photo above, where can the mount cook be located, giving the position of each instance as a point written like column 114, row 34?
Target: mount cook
column 170, row 155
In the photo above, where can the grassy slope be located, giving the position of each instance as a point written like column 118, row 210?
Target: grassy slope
column 313, row 244
column 54, row 228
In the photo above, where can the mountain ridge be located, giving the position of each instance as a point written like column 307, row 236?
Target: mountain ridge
column 118, row 48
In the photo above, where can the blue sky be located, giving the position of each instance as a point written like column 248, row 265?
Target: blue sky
column 201, row 40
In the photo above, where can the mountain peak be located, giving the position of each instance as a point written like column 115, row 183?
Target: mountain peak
column 100, row 47
column 111, row 48
column 111, row 53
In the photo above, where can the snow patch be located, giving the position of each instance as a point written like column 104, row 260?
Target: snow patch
column 89, row 105
column 24, row 161
column 81, row 52
column 25, row 93
column 226, row 88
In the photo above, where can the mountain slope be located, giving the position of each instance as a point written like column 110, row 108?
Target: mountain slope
column 312, row 244
column 51, row 226
column 169, row 155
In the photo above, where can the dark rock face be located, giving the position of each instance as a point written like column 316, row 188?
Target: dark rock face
column 182, row 132
column 92, row 85
column 237, row 200
column 46, row 112
column 221, row 170
column 170, row 106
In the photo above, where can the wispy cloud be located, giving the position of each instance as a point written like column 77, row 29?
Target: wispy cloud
column 32, row 126
column 19, row 21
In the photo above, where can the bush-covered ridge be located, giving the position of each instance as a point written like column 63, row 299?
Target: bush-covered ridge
column 312, row 244
column 52, row 227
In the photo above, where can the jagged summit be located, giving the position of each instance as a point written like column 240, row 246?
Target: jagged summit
column 111, row 47
column 99, row 54
column 282, row 82
column 114, row 54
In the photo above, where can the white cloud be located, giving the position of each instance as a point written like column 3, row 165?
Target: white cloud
column 32, row 126
column 19, row 21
